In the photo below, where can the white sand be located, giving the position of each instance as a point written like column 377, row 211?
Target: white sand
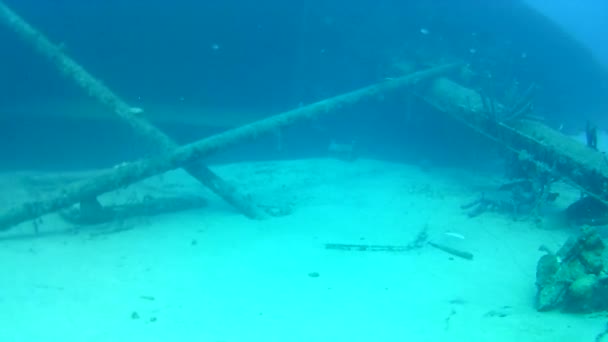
column 212, row 275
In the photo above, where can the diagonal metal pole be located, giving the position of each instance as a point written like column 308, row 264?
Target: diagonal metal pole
column 135, row 171
column 548, row 149
column 92, row 86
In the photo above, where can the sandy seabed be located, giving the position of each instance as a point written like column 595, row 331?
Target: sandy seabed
column 213, row 275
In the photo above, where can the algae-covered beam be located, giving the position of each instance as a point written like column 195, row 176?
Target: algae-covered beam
column 585, row 167
column 183, row 156
column 128, row 114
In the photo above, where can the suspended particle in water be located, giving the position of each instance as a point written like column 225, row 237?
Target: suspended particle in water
column 136, row 110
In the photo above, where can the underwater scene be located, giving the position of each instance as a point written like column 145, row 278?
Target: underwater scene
column 333, row 170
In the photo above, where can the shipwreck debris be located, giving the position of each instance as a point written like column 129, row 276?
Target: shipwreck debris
column 574, row 279
column 421, row 240
column 190, row 154
column 130, row 115
column 587, row 211
column 92, row 212
column 548, row 149
column 517, row 198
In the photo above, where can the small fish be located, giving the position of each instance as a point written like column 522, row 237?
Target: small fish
column 424, row 31
column 455, row 235
column 136, row 110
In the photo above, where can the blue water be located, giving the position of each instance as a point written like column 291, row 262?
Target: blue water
column 271, row 56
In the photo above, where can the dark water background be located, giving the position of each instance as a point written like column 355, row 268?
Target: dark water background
column 273, row 55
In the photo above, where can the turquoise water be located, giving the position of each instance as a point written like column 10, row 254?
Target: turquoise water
column 253, row 58
column 373, row 176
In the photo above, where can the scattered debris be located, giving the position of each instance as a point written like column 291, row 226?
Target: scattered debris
column 92, row 212
column 574, row 279
column 422, row 239
column 502, row 312
column 448, row 318
column 520, row 197
column 453, row 251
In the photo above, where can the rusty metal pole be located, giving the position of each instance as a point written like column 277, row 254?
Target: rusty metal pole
column 135, row 171
column 128, row 114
